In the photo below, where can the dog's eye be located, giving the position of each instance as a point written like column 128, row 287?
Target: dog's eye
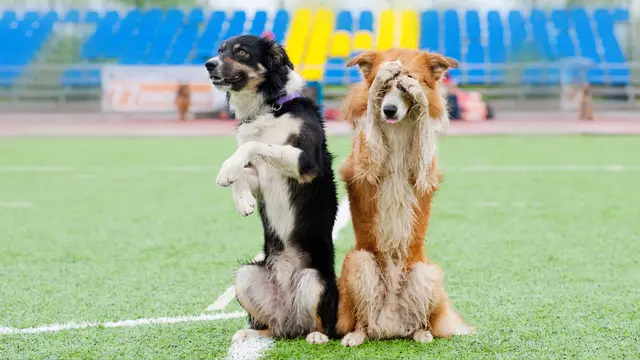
column 242, row 53
column 220, row 51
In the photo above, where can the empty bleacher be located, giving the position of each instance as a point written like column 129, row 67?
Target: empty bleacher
column 320, row 41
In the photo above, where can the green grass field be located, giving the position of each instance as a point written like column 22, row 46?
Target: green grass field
column 539, row 237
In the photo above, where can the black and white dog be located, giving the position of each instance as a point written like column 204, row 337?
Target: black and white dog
column 283, row 161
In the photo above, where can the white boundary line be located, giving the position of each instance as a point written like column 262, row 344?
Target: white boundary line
column 204, row 168
column 122, row 323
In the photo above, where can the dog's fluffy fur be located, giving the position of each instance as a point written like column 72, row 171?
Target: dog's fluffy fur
column 388, row 288
column 183, row 101
column 283, row 162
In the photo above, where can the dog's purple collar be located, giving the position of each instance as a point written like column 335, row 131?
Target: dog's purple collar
column 288, row 97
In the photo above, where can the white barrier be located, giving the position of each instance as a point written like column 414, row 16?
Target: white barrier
column 134, row 88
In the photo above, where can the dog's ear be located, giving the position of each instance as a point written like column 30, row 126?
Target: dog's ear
column 439, row 64
column 276, row 57
column 367, row 62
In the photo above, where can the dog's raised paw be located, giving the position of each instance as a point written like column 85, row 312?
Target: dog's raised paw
column 245, row 204
column 354, row 339
column 390, row 69
column 245, row 334
column 423, row 336
column 229, row 173
column 317, row 338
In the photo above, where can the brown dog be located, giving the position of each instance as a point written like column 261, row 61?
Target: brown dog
column 388, row 288
column 183, row 101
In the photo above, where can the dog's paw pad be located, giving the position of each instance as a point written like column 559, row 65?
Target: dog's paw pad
column 423, row 336
column 229, row 173
column 353, row 339
column 317, row 338
column 245, row 334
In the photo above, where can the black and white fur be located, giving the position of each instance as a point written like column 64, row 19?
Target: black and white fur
column 282, row 165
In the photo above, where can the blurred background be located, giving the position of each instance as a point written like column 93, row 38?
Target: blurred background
column 129, row 56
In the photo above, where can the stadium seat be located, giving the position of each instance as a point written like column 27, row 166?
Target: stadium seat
column 206, row 44
column 613, row 55
column 258, row 23
column 587, row 42
column 497, row 49
column 339, row 50
column 298, row 36
column 386, row 30
column 140, row 42
column 362, row 41
column 452, row 39
column 410, row 30
column 316, row 54
column 542, row 52
column 163, row 39
column 280, row 25
column 430, row 31
column 475, row 50
column 564, row 44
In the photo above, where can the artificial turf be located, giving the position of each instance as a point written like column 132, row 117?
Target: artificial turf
column 542, row 259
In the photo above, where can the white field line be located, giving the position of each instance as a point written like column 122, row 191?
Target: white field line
column 122, row 323
column 15, row 204
column 204, row 168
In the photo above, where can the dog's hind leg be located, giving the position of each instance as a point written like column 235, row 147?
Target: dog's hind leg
column 362, row 281
column 300, row 317
column 328, row 310
column 420, row 296
column 256, row 294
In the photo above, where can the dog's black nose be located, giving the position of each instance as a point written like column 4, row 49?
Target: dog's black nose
column 212, row 64
column 390, row 110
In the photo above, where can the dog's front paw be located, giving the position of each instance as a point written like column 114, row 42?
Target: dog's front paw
column 245, row 203
column 423, row 336
column 353, row 339
column 245, row 334
column 317, row 338
column 389, row 70
column 230, row 172
column 410, row 85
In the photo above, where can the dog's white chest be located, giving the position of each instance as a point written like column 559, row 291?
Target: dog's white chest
column 274, row 187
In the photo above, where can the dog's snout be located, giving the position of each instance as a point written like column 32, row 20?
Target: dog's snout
column 212, row 64
column 390, row 110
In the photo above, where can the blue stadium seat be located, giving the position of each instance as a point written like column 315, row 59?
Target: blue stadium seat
column 452, row 46
column 587, row 42
column 564, row 44
column 497, row 49
column 258, row 23
column 140, row 42
column 613, row 55
column 92, row 17
column 335, row 72
column 163, row 39
column 430, row 31
column 185, row 41
column 196, row 16
column 206, row 45
column 98, row 44
column 542, row 52
column 72, row 16
column 518, row 35
column 475, row 50
column 365, row 21
column 280, row 25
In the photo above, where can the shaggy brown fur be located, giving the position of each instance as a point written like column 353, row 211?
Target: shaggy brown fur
column 388, row 288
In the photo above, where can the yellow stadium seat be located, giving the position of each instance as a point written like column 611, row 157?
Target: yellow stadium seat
column 316, row 55
column 340, row 45
column 386, row 33
column 362, row 41
column 298, row 36
column 410, row 29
